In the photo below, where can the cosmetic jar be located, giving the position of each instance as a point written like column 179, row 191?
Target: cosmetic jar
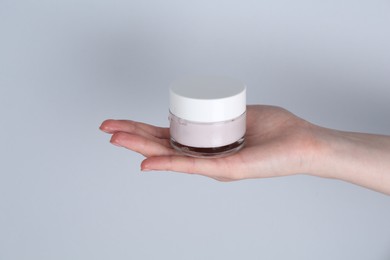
column 207, row 116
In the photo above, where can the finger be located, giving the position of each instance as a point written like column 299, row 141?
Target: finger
column 112, row 126
column 178, row 164
column 141, row 144
column 217, row 168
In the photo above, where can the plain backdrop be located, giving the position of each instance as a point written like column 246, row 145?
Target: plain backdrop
column 66, row 65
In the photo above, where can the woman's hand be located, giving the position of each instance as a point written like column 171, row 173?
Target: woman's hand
column 277, row 143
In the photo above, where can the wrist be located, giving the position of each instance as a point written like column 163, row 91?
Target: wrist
column 362, row 159
column 329, row 154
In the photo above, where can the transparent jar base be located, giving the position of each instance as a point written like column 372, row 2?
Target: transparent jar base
column 209, row 152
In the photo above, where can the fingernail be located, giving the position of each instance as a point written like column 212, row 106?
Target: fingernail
column 115, row 143
column 146, row 170
column 104, row 129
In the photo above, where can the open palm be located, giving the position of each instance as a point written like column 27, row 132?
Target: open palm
column 277, row 143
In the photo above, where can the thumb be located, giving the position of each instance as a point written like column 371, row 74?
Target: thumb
column 177, row 163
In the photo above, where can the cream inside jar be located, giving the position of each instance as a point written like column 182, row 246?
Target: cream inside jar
column 207, row 116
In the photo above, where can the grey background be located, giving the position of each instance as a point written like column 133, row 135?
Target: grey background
column 65, row 66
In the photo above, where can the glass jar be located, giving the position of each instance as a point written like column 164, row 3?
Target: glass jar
column 207, row 116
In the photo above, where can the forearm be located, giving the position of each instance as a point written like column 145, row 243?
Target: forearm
column 362, row 159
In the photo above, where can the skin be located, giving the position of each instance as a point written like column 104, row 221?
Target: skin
column 277, row 143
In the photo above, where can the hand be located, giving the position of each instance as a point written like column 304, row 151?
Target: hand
column 277, row 143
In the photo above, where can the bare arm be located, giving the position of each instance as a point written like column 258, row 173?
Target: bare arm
column 362, row 159
column 278, row 143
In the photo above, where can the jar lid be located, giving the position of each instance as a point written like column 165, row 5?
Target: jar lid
column 207, row 98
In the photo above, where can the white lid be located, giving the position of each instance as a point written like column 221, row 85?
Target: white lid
column 207, row 98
